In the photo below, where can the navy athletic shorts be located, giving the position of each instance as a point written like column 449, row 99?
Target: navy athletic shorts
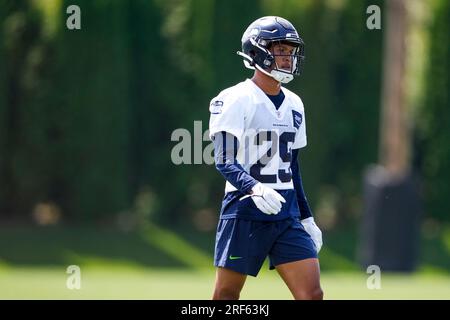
column 243, row 245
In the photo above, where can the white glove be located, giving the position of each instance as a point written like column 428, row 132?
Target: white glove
column 314, row 231
column 266, row 199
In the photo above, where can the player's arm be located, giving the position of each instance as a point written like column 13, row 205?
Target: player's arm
column 305, row 210
column 225, row 151
column 306, row 216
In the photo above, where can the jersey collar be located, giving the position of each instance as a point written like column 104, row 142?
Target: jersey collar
column 264, row 99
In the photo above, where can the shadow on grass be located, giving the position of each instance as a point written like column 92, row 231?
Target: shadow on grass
column 61, row 246
column 180, row 247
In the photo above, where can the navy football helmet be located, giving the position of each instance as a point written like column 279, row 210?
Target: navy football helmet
column 257, row 41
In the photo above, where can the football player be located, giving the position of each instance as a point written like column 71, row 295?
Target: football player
column 258, row 127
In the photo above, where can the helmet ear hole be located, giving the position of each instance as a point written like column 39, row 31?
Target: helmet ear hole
column 268, row 61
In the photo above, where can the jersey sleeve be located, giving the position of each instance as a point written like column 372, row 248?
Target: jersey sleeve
column 225, row 152
column 226, row 114
column 300, row 124
column 305, row 210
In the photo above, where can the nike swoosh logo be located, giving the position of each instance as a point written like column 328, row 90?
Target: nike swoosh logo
column 234, row 257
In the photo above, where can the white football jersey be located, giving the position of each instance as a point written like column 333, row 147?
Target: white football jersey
column 266, row 136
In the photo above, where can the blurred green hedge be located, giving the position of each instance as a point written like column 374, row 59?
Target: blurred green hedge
column 86, row 115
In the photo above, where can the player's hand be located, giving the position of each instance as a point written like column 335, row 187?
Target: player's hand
column 266, row 199
column 314, row 231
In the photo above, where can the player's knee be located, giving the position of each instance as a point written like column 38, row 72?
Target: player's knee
column 317, row 294
column 311, row 294
column 226, row 293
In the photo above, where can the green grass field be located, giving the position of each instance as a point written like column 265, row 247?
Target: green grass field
column 99, row 283
column 156, row 263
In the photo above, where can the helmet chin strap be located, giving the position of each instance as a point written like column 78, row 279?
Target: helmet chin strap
column 279, row 76
column 282, row 77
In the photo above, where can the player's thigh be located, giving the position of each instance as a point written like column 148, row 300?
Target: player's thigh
column 229, row 281
column 302, row 278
